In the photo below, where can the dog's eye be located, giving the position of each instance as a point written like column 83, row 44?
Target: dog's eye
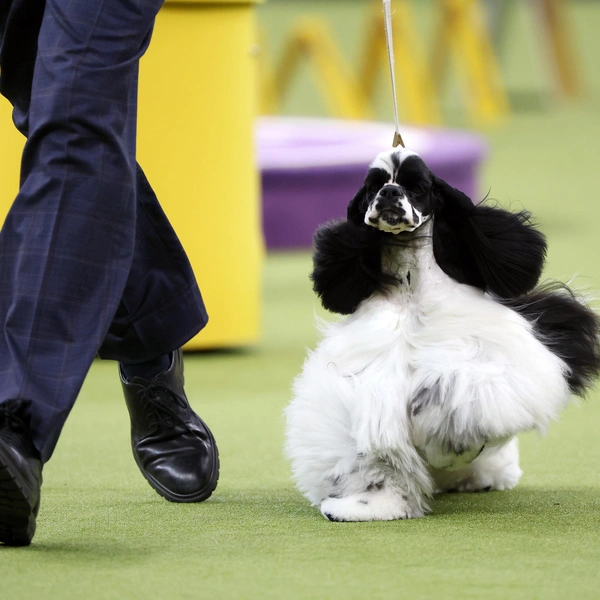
column 418, row 187
column 376, row 179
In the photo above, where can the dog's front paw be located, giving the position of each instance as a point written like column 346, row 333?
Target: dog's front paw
column 481, row 480
column 380, row 505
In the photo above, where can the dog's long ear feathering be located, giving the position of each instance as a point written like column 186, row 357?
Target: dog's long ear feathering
column 347, row 261
column 490, row 248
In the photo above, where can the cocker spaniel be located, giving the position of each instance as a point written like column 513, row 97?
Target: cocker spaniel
column 448, row 351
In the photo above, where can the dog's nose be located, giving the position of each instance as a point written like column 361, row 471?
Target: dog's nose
column 390, row 193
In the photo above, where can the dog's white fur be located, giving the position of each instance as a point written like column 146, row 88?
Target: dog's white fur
column 362, row 445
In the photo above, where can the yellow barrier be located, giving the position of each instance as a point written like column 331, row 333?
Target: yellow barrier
column 311, row 38
column 416, row 89
column 463, row 33
column 11, row 147
column 197, row 104
column 349, row 95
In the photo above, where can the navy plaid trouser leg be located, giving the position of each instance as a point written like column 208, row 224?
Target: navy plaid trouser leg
column 89, row 263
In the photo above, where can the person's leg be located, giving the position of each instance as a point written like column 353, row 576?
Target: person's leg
column 20, row 465
column 160, row 310
column 67, row 243
column 161, row 307
column 68, row 240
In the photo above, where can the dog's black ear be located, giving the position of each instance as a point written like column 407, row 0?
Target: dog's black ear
column 356, row 207
column 487, row 247
column 347, row 265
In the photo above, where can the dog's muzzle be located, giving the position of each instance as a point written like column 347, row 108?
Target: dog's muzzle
column 392, row 212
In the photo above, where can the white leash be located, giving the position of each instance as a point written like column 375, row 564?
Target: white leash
column 387, row 13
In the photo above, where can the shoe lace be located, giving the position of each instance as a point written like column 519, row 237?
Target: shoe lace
column 156, row 397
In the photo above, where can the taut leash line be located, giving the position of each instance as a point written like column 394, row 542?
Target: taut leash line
column 387, row 13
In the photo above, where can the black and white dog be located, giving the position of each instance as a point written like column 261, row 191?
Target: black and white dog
column 448, row 352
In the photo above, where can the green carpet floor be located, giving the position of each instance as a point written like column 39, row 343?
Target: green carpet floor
column 104, row 534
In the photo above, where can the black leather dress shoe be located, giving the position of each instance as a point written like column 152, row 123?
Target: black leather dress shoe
column 172, row 446
column 20, row 481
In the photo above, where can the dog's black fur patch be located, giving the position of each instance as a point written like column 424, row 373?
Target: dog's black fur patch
column 427, row 396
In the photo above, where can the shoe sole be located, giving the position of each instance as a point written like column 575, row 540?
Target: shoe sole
column 199, row 496
column 17, row 508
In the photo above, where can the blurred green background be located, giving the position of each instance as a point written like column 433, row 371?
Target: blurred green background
column 103, row 533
